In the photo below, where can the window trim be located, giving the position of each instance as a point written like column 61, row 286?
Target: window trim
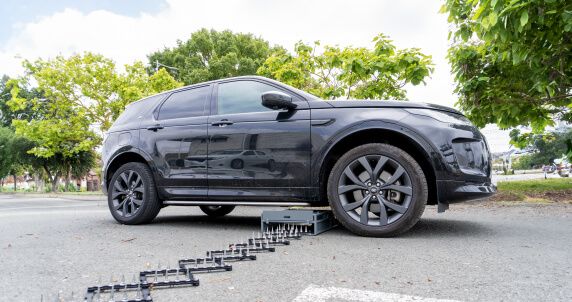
column 168, row 95
column 296, row 98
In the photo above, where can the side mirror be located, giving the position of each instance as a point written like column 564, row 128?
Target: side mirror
column 276, row 100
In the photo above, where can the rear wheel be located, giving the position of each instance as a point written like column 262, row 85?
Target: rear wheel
column 132, row 196
column 377, row 190
column 216, row 211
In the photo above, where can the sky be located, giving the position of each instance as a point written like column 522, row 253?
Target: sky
column 128, row 30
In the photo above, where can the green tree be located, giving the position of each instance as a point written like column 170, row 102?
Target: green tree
column 81, row 94
column 512, row 60
column 90, row 85
column 27, row 113
column 546, row 147
column 378, row 73
column 210, row 55
column 14, row 157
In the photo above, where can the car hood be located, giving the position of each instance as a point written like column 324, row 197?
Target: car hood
column 389, row 104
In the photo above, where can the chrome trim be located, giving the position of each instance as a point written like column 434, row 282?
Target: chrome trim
column 234, row 203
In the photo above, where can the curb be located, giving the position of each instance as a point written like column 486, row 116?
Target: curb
column 98, row 197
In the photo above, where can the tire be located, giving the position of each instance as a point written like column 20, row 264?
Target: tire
column 271, row 165
column 237, row 164
column 399, row 190
column 123, row 199
column 216, row 211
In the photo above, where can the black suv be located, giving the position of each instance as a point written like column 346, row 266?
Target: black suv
column 255, row 141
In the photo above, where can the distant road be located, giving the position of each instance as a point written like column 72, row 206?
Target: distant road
column 497, row 178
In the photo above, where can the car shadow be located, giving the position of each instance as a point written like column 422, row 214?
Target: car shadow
column 437, row 227
column 425, row 228
column 226, row 222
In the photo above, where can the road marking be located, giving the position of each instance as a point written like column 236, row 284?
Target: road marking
column 315, row 293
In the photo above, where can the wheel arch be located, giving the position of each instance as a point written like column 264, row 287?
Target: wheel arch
column 392, row 135
column 122, row 158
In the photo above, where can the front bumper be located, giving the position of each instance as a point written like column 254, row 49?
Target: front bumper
column 454, row 191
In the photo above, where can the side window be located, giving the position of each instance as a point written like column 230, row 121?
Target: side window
column 187, row 103
column 241, row 97
column 134, row 110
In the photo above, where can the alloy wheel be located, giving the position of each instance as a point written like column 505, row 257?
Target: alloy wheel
column 375, row 190
column 128, row 193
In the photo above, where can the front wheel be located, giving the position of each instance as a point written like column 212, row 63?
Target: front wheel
column 377, row 190
column 132, row 196
column 216, row 211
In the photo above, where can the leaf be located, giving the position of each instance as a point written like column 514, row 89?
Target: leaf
column 523, row 18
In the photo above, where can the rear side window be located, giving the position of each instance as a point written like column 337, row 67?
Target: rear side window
column 187, row 103
column 134, row 110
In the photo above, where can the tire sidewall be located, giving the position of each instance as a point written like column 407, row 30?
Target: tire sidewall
column 418, row 183
column 221, row 211
column 150, row 195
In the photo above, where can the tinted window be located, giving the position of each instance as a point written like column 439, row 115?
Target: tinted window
column 136, row 109
column 241, row 97
column 188, row 103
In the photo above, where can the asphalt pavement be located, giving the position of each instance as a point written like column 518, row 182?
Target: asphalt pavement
column 475, row 252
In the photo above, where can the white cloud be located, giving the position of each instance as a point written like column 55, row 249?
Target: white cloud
column 413, row 23
column 410, row 23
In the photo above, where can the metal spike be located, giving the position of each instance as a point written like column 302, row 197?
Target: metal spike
column 125, row 296
column 112, row 295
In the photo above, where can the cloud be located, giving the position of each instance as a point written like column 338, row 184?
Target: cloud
column 413, row 23
column 410, row 23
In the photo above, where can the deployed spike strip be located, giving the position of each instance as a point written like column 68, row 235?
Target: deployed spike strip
column 214, row 262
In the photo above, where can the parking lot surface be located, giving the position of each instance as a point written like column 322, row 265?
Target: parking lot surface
column 475, row 252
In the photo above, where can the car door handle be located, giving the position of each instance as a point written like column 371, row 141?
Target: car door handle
column 155, row 127
column 222, row 123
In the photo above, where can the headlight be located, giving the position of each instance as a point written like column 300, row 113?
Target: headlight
column 442, row 116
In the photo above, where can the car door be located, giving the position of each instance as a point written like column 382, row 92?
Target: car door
column 239, row 127
column 178, row 134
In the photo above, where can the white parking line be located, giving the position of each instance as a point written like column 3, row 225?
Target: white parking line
column 315, row 293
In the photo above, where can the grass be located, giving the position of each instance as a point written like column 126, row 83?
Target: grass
column 536, row 185
column 535, row 191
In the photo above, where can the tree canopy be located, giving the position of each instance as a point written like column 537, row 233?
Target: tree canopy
column 512, row 60
column 546, row 147
column 210, row 55
column 332, row 72
column 76, row 97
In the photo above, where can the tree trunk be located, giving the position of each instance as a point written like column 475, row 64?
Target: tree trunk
column 15, row 182
column 55, row 181
column 38, row 183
